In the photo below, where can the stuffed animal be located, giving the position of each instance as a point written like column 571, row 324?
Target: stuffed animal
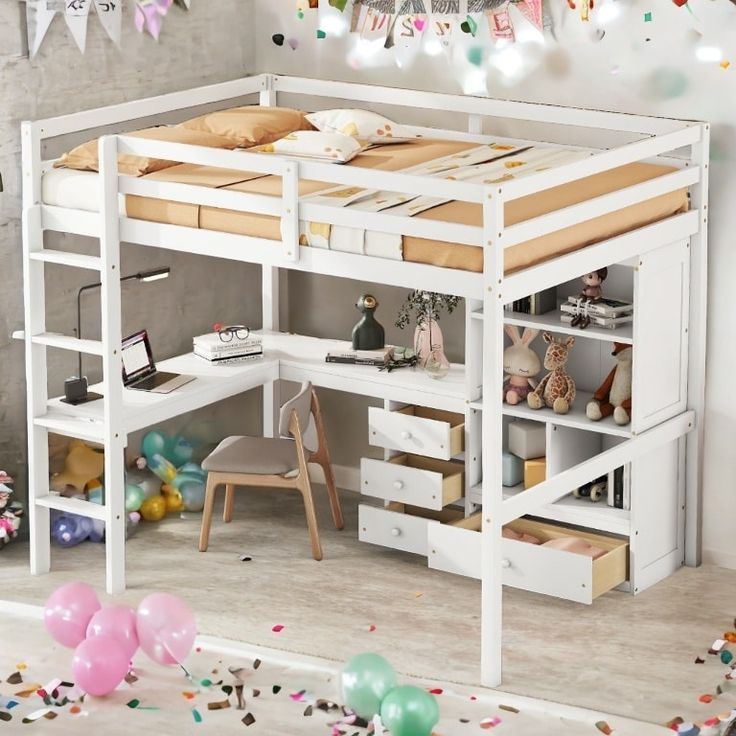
column 521, row 364
column 614, row 394
column 82, row 465
column 557, row 389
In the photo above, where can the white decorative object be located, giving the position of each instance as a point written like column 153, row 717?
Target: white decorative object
column 110, row 13
column 76, row 14
column 527, row 439
column 39, row 16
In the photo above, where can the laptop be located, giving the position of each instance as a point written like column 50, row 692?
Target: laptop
column 139, row 370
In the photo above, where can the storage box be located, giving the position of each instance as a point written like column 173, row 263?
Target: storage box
column 535, row 471
column 527, row 439
column 513, row 469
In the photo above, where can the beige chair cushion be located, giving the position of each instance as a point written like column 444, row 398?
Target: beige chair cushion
column 302, row 402
column 253, row 455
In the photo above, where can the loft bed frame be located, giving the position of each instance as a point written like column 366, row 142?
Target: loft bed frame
column 479, row 397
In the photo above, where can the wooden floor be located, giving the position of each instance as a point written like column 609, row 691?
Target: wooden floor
column 628, row 655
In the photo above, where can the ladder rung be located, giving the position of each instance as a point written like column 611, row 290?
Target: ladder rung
column 73, row 506
column 75, row 260
column 69, row 426
column 66, row 342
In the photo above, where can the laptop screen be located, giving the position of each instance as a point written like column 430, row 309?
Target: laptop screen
column 137, row 357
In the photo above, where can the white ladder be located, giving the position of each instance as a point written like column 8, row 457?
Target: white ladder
column 40, row 420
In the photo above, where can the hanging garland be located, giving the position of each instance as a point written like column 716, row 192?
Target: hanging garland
column 40, row 14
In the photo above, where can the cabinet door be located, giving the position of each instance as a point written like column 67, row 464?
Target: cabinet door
column 659, row 386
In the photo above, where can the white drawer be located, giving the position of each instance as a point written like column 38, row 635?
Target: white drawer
column 413, row 479
column 401, row 527
column 418, row 429
column 531, row 567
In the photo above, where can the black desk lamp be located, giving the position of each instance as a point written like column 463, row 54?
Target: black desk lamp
column 75, row 388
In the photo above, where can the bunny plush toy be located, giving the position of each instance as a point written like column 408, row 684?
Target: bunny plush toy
column 521, row 364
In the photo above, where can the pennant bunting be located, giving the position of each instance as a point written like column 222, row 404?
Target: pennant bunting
column 76, row 15
column 110, row 13
column 150, row 14
column 533, row 12
column 39, row 16
column 500, row 24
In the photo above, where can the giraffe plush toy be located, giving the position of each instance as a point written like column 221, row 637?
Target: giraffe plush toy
column 557, row 389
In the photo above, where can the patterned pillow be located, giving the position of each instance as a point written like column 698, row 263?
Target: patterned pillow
column 361, row 124
column 312, row 144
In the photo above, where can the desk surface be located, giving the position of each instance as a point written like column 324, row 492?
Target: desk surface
column 289, row 357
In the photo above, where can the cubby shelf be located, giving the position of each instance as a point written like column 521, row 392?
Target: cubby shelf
column 574, row 418
column 574, row 511
column 551, row 323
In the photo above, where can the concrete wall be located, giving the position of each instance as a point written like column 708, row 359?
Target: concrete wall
column 633, row 69
column 212, row 43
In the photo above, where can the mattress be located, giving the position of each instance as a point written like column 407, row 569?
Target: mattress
column 446, row 159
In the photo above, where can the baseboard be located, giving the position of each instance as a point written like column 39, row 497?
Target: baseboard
column 347, row 478
column 719, row 558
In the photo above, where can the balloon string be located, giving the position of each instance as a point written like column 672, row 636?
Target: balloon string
column 377, row 725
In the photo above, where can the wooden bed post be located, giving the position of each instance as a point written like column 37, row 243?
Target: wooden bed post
column 115, row 436
column 492, row 427
column 697, row 331
column 36, row 367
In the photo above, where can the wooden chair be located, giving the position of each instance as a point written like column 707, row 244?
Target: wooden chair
column 273, row 462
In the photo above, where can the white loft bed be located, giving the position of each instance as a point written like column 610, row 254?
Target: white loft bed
column 663, row 441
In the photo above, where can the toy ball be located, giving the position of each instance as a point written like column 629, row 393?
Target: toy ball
column 192, row 494
column 154, row 508
column 178, row 451
column 162, row 468
column 68, row 530
column 154, row 443
column 134, row 497
column 174, row 501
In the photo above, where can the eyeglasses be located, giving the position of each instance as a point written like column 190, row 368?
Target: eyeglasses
column 226, row 334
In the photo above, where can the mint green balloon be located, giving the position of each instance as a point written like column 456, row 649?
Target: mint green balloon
column 153, row 443
column 366, row 680
column 134, row 497
column 410, row 711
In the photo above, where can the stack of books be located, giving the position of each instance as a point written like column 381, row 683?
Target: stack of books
column 361, row 357
column 606, row 313
column 210, row 348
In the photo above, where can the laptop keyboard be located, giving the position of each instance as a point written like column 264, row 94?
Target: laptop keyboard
column 154, row 381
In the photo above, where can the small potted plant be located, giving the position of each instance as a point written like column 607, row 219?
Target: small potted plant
column 424, row 309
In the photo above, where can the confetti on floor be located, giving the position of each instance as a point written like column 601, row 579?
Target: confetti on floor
column 278, row 628
column 603, row 727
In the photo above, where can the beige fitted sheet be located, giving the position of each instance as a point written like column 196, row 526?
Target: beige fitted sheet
column 421, row 250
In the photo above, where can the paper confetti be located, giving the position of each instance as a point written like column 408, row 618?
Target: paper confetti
column 648, row 17
column 706, row 698
column 372, row 628
column 308, row 710
column 488, row 723
column 15, row 679
column 298, row 697
column 218, row 705
column 249, row 719
column 256, row 664
column 726, row 656
column 725, row 64
column 603, row 727
column 321, row 34
column 276, row 689
column 509, row 708
column 277, row 628
column 196, row 715
column 21, row 666
column 436, row 691
column 278, row 39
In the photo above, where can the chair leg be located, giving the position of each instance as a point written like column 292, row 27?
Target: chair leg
column 209, row 508
column 306, row 490
column 332, row 492
column 227, row 512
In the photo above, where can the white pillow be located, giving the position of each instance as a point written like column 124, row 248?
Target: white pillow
column 316, row 145
column 361, row 124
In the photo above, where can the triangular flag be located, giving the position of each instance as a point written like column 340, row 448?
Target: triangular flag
column 532, row 11
column 185, row 4
column 76, row 16
column 500, row 24
column 110, row 13
column 39, row 16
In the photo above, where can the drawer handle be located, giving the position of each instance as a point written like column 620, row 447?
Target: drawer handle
column 406, row 435
column 505, row 564
column 398, row 484
column 396, row 532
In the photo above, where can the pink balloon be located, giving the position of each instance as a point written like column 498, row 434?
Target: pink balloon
column 99, row 665
column 119, row 623
column 68, row 612
column 166, row 628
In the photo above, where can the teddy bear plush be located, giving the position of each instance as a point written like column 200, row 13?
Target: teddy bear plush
column 614, row 394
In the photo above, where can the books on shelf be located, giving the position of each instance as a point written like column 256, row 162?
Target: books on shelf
column 619, row 487
column 361, row 357
column 537, row 303
column 609, row 323
column 210, row 348
column 600, row 308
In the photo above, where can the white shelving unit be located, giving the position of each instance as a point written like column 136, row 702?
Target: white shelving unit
column 663, row 442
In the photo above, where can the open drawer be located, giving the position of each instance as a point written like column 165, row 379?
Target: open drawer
column 540, row 569
column 406, row 527
column 422, row 481
column 418, row 429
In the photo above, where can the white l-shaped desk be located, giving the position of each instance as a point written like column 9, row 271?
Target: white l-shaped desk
column 286, row 356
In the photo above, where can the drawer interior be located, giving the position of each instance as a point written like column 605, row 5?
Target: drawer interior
column 456, row 423
column 446, row 516
column 452, row 473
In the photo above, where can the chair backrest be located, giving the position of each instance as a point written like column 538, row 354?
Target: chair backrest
column 302, row 404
